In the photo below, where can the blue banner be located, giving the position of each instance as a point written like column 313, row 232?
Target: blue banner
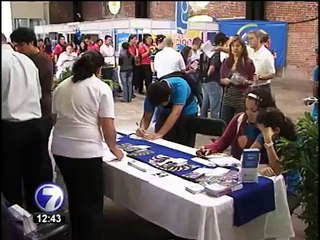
column 120, row 38
column 181, row 16
column 276, row 30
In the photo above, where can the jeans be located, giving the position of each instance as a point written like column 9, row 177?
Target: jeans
column 212, row 94
column 126, row 80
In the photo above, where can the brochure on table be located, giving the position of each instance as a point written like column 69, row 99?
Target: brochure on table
column 249, row 165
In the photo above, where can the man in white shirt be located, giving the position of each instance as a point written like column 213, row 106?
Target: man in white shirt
column 22, row 135
column 168, row 60
column 107, row 52
column 262, row 59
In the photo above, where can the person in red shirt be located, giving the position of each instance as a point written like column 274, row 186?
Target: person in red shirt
column 90, row 44
column 99, row 43
column 144, row 50
column 40, row 45
column 59, row 48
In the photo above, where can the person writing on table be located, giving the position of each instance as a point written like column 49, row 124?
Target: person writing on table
column 84, row 110
column 242, row 131
column 175, row 105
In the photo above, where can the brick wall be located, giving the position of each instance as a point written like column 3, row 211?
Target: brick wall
column 228, row 9
column 162, row 10
column 302, row 37
column 60, row 12
column 225, row 9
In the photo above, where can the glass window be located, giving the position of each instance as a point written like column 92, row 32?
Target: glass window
column 34, row 22
column 20, row 22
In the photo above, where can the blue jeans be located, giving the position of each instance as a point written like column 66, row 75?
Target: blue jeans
column 126, row 80
column 212, row 94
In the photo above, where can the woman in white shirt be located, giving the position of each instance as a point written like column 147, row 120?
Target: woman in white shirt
column 84, row 110
column 66, row 60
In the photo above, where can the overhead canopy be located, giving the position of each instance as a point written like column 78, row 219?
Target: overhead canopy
column 148, row 25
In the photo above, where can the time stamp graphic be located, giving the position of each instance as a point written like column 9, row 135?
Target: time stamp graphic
column 49, row 199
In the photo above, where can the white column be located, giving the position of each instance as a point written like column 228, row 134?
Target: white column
column 6, row 18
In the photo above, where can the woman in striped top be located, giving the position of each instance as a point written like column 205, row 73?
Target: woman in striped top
column 236, row 74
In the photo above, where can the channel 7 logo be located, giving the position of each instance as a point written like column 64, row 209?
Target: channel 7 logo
column 49, row 198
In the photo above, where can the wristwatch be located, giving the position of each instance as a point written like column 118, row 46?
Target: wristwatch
column 268, row 145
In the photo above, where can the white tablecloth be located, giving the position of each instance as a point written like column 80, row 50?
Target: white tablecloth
column 165, row 202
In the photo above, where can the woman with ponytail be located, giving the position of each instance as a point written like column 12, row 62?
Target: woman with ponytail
column 84, row 110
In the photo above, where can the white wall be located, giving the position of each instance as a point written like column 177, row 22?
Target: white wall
column 6, row 17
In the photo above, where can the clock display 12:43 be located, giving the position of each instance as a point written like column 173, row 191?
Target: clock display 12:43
column 44, row 218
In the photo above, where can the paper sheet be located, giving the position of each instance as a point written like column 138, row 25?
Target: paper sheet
column 226, row 161
column 207, row 48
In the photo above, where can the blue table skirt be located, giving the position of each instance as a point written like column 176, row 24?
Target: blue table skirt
column 253, row 200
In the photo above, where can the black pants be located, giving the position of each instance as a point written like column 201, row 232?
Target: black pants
column 146, row 76
column 107, row 73
column 198, row 83
column 179, row 132
column 46, row 170
column 228, row 112
column 135, row 77
column 23, row 145
column 84, row 181
column 266, row 87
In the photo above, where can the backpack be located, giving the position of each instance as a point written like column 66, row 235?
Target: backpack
column 204, row 64
column 192, row 84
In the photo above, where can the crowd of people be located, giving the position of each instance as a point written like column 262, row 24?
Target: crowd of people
column 233, row 84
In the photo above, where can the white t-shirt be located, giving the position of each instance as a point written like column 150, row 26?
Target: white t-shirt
column 78, row 106
column 195, row 55
column 20, row 86
column 65, row 61
column 108, row 54
column 223, row 56
column 167, row 61
column 263, row 61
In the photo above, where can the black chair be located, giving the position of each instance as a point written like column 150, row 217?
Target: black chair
column 206, row 126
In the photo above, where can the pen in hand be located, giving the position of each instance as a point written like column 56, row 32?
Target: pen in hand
column 140, row 131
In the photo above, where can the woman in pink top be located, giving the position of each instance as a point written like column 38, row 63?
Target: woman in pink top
column 145, row 62
column 90, row 44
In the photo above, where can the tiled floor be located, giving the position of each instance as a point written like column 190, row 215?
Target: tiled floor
column 121, row 224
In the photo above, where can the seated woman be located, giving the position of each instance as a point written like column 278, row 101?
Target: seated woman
column 242, row 131
column 66, row 59
column 273, row 125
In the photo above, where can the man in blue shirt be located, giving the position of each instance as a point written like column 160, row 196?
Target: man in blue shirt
column 176, row 105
